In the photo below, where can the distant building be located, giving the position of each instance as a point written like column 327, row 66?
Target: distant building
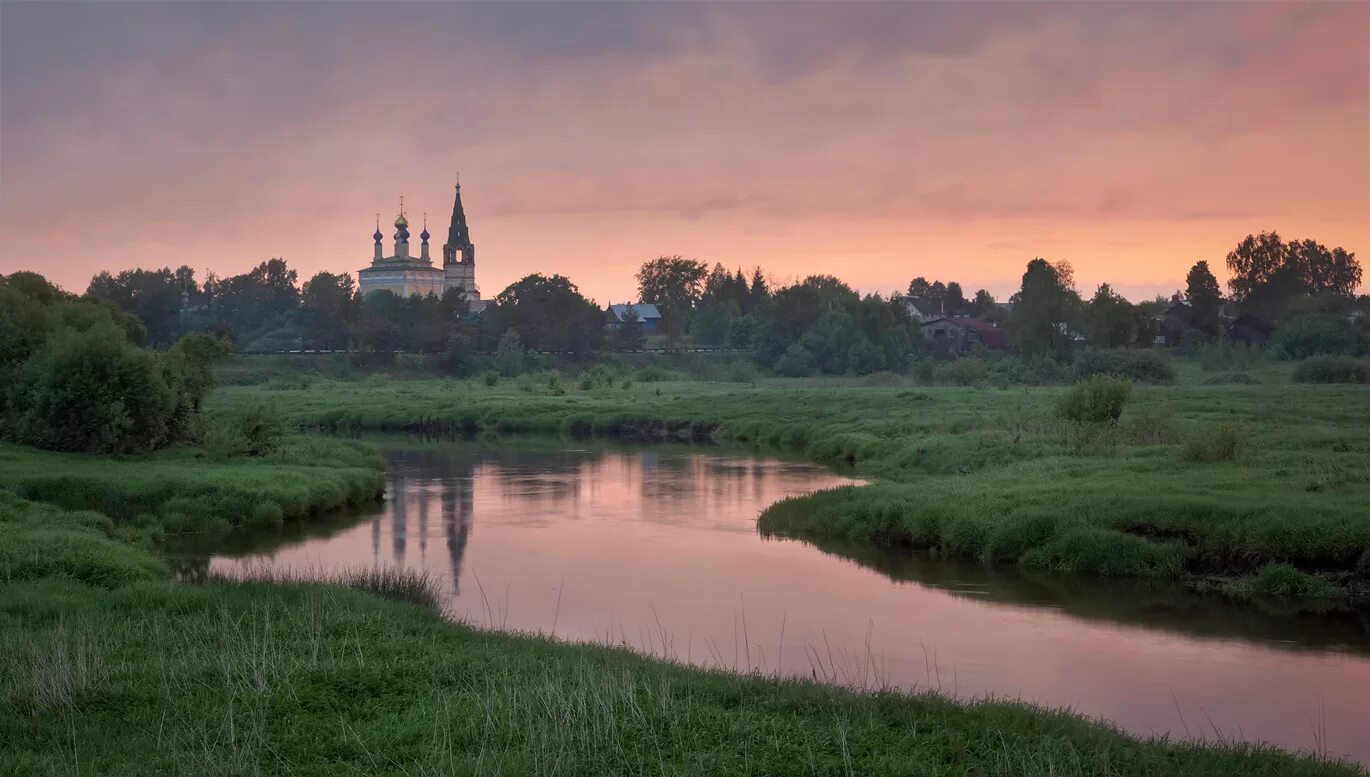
column 646, row 313
column 962, row 334
column 923, row 309
column 407, row 275
column 1248, row 329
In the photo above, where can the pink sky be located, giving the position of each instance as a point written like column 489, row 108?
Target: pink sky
column 873, row 142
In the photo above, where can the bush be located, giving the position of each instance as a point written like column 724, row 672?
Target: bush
column 251, row 430
column 1284, row 580
column 509, row 354
column 795, row 362
column 491, row 377
column 964, row 372
column 1141, row 366
column 93, row 391
column 1098, row 400
column 1307, row 336
column 1220, row 442
column 1226, row 355
column 1332, row 369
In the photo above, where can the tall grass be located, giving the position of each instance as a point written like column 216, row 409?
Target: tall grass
column 970, row 471
column 246, row 678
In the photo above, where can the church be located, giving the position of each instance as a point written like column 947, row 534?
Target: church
column 407, row 275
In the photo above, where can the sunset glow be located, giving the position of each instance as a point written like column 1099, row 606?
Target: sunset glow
column 875, row 142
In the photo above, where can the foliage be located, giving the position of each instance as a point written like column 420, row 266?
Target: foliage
column 1204, row 297
column 675, row 285
column 1268, row 275
column 329, row 310
column 1098, row 399
column 629, row 335
column 509, row 354
column 1315, row 335
column 1332, row 369
column 1214, row 442
column 1227, row 355
column 156, row 297
column 92, row 391
column 1044, row 310
column 1113, row 322
column 1285, row 581
column 822, row 325
column 1141, row 366
column 549, row 313
column 256, row 429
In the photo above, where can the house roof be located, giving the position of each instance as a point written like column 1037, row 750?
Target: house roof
column 644, row 311
column 990, row 334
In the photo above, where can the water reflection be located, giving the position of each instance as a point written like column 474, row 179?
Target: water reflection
column 657, row 549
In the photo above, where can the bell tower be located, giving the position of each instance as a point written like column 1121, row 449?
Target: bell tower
column 459, row 253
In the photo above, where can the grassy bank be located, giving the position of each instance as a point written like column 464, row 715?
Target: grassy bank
column 188, row 490
column 249, row 678
column 984, row 473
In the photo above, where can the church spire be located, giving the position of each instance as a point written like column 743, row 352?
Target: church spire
column 458, row 246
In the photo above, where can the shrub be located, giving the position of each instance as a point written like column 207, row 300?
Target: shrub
column 509, row 354
column 964, row 372
column 1098, row 400
column 795, row 362
column 1219, row 442
column 1227, row 355
column 251, row 430
column 1284, row 580
column 1332, row 369
column 1142, row 366
column 491, row 377
column 93, row 391
column 1307, row 336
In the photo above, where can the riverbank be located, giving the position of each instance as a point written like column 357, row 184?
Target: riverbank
column 984, row 473
column 116, row 669
column 230, row 678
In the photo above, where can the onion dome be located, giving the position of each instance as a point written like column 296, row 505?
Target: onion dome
column 424, row 235
column 377, row 237
column 401, row 222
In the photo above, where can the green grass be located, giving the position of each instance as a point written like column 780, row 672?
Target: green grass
column 984, row 473
column 39, row 541
column 187, row 490
column 250, row 678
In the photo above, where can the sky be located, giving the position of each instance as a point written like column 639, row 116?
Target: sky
column 875, row 142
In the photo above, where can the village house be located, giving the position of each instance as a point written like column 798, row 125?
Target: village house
column 961, row 335
column 646, row 313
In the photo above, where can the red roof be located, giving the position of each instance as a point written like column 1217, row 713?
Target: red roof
column 991, row 335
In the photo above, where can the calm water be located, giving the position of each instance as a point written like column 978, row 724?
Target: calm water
column 658, row 549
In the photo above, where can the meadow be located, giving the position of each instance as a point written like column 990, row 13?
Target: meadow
column 111, row 666
column 1256, row 485
column 252, row 677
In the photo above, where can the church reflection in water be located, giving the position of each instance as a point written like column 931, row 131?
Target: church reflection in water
column 417, row 479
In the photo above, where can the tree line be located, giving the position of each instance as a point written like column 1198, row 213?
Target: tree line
column 814, row 325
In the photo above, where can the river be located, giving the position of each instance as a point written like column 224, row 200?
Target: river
column 657, row 549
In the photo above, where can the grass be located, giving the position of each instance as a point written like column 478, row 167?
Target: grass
column 251, row 678
column 988, row 474
column 187, row 490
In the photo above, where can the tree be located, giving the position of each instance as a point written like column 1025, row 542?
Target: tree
column 1043, row 309
column 509, row 354
column 674, row 284
column 1204, row 297
column 255, row 301
column 954, row 300
column 983, row 304
column 919, row 287
column 629, row 335
column 1110, row 320
column 760, row 290
column 154, row 296
column 329, row 310
column 1269, row 276
column 92, row 391
column 549, row 313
